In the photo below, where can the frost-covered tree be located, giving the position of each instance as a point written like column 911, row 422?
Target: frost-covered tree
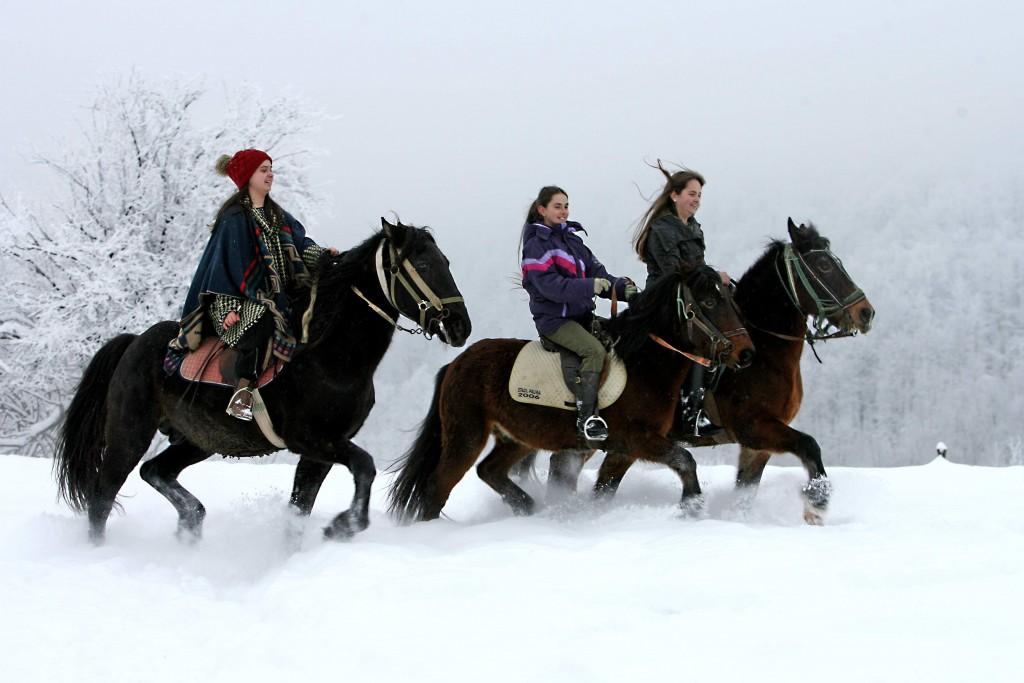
column 117, row 249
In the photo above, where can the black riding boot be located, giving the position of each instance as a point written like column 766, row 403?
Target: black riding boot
column 695, row 420
column 588, row 423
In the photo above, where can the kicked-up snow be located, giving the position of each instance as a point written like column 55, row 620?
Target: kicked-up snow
column 918, row 575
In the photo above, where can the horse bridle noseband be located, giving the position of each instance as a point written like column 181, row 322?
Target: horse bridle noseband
column 414, row 285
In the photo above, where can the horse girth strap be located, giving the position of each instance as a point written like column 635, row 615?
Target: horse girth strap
column 701, row 360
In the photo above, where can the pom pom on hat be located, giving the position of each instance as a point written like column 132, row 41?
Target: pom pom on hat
column 242, row 165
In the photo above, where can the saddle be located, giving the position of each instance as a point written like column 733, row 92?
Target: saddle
column 214, row 363
column 544, row 374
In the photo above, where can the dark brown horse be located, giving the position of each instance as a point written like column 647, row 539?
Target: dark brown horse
column 317, row 404
column 471, row 400
column 789, row 283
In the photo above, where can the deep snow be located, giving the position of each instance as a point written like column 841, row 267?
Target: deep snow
column 917, row 576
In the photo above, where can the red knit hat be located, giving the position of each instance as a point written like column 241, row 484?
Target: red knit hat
column 241, row 166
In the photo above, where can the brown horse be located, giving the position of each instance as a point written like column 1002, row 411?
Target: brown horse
column 787, row 284
column 471, row 400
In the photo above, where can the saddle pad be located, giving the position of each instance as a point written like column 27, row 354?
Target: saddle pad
column 536, row 379
column 204, row 365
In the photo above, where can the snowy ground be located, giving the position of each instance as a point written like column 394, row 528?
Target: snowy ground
column 919, row 575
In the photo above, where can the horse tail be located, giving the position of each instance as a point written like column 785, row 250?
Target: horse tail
column 81, row 444
column 407, row 496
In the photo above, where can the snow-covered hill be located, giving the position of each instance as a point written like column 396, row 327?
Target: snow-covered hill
column 917, row 576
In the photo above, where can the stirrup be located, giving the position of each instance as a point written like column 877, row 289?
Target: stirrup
column 240, row 405
column 595, row 428
column 703, row 426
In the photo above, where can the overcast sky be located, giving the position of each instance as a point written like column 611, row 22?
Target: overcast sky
column 458, row 111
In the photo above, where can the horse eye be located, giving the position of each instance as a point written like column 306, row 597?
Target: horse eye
column 825, row 264
column 708, row 303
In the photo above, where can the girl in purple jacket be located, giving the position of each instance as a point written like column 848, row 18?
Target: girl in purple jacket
column 562, row 276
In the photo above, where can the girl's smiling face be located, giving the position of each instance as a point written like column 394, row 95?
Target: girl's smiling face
column 556, row 211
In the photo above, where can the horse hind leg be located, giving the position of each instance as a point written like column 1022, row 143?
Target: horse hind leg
column 161, row 472
column 749, row 468
column 494, row 470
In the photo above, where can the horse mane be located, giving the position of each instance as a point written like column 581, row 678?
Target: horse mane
column 654, row 309
column 336, row 274
column 755, row 281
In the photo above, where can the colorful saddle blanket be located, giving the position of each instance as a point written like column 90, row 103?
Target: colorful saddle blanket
column 214, row 363
column 537, row 379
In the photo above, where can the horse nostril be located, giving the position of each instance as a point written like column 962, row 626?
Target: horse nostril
column 866, row 314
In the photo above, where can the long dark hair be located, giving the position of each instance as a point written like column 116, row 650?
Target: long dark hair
column 275, row 214
column 674, row 182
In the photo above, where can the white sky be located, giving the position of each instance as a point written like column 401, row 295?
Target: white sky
column 457, row 112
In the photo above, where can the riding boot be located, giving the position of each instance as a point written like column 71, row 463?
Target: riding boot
column 240, row 405
column 588, row 423
column 695, row 420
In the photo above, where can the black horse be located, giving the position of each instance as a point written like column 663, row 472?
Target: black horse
column 317, row 405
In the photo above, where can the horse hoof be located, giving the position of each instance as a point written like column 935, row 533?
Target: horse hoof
column 344, row 527
column 814, row 516
column 693, row 507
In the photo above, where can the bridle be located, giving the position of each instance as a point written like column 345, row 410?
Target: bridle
column 688, row 310
column 827, row 303
column 412, row 282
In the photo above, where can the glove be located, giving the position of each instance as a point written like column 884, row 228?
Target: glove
column 601, row 285
column 631, row 291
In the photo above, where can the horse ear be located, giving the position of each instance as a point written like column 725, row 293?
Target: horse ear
column 795, row 231
column 387, row 226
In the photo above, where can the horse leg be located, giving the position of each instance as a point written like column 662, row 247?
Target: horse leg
column 360, row 464
column 494, row 469
column 459, row 449
column 680, row 460
column 610, row 475
column 131, row 423
column 309, row 476
column 161, row 472
column 778, row 437
column 564, row 474
column 748, row 475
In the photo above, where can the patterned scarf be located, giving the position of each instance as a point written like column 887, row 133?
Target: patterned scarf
column 279, row 265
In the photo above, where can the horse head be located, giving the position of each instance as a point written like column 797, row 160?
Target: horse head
column 416, row 277
column 695, row 314
column 821, row 287
column 712, row 321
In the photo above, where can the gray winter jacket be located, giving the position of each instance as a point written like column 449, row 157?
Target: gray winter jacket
column 671, row 245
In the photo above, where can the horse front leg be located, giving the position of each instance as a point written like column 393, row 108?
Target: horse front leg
column 308, row 478
column 777, row 437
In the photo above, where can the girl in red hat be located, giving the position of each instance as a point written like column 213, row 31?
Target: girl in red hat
column 257, row 253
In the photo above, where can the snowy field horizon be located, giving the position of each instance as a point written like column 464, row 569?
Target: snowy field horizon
column 916, row 576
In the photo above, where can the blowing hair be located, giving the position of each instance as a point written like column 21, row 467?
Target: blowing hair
column 275, row 214
column 674, row 182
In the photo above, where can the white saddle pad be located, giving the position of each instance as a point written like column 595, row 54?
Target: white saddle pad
column 537, row 379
